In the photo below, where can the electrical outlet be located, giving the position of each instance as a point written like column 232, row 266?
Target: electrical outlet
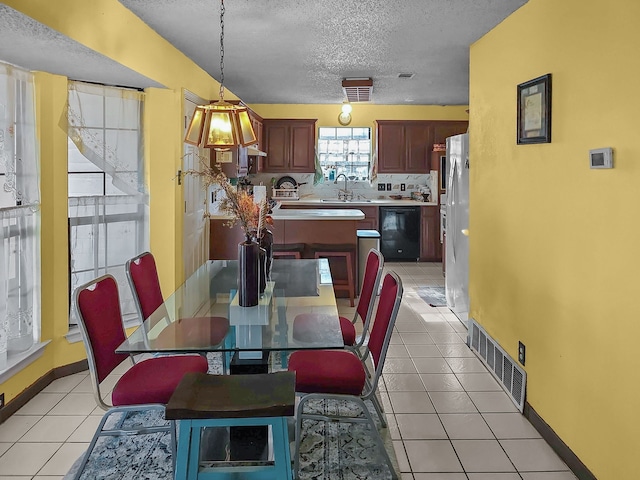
column 1, row 400
column 403, row 187
column 388, row 186
column 381, row 187
column 521, row 352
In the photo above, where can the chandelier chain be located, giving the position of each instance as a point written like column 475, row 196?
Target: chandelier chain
column 221, row 49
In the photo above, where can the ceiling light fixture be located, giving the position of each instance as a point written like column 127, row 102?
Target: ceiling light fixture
column 345, row 114
column 221, row 125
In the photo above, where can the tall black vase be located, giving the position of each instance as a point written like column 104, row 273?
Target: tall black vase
column 248, row 272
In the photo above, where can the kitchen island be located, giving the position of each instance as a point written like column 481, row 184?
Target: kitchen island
column 321, row 225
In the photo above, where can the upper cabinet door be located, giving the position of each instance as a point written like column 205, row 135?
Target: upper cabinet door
column 419, row 142
column 391, row 147
column 445, row 129
column 303, row 141
column 277, row 146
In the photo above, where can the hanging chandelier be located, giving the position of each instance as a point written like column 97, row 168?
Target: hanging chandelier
column 221, row 125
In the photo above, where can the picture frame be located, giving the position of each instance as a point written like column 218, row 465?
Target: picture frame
column 534, row 111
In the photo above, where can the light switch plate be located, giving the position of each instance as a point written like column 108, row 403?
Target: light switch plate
column 381, row 187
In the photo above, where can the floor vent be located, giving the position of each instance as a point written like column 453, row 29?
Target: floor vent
column 512, row 378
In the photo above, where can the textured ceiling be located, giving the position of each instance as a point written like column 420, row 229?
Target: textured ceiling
column 289, row 51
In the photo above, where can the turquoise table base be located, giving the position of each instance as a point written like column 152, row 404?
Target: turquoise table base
column 188, row 456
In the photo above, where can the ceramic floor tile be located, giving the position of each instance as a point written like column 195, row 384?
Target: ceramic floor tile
column 409, row 327
column 420, row 427
column 510, row 425
column 439, row 327
column 431, row 365
column 433, row 317
column 65, row 384
column 441, row 382
column 466, row 365
column 17, row 477
column 48, row 477
column 466, row 426
column 13, row 461
column 458, row 326
column 401, row 456
column 492, row 402
column 5, row 446
column 41, row 404
column 548, row 476
column 446, row 338
column 440, row 476
column 403, row 476
column 86, row 430
column 63, row 459
column 493, row 476
column 396, row 351
column 53, row 428
column 432, row 456
column 411, row 402
column 403, row 382
column 482, row 456
column 478, row 382
column 532, row 455
column 392, row 425
column 456, row 350
column 399, row 365
column 452, row 402
column 417, row 351
column 416, row 339
column 75, row 404
column 17, row 425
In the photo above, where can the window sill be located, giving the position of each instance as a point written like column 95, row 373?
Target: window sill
column 19, row 361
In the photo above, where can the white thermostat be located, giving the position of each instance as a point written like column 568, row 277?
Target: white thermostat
column 601, row 158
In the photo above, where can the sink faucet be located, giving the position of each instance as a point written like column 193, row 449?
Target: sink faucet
column 345, row 191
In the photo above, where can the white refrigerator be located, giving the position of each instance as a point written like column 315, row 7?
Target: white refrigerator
column 457, row 225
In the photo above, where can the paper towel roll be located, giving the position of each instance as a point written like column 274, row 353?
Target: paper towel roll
column 259, row 193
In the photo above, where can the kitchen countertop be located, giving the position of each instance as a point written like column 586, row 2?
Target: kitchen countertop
column 386, row 202
column 317, row 214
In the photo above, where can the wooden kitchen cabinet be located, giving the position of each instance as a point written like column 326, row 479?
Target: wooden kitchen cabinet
column 430, row 247
column 404, row 146
column 224, row 240
column 290, row 145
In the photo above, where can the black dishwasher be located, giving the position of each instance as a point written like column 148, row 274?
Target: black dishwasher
column 400, row 233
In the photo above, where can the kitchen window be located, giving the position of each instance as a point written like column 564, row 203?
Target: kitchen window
column 345, row 150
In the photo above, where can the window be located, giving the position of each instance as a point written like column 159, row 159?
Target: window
column 345, row 150
column 19, row 216
column 108, row 205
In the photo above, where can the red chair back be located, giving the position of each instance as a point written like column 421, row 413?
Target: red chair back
column 143, row 277
column 388, row 306
column 370, row 282
column 98, row 306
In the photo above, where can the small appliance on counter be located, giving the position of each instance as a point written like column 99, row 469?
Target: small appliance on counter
column 423, row 194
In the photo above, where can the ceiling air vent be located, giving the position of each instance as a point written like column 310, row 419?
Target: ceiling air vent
column 357, row 89
column 406, row 75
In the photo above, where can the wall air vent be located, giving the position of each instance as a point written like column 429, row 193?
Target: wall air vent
column 357, row 89
column 406, row 75
column 508, row 373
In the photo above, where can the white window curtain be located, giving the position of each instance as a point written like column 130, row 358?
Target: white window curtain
column 19, row 215
column 108, row 203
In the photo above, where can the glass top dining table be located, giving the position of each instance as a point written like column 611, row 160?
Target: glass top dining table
column 203, row 314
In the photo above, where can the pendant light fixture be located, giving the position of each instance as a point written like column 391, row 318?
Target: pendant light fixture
column 221, row 125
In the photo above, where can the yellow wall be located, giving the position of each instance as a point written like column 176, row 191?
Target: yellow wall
column 554, row 255
column 110, row 29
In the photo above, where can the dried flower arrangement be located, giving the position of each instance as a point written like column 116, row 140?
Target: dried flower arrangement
column 238, row 204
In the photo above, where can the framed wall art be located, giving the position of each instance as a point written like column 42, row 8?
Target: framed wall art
column 534, row 110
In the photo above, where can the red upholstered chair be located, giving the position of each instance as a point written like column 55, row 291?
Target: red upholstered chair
column 341, row 375
column 145, row 285
column 364, row 310
column 146, row 385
